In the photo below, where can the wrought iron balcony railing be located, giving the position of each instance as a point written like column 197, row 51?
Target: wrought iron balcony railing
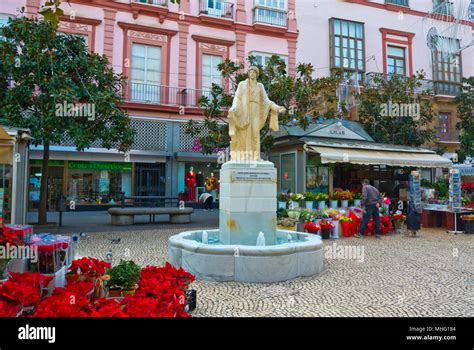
column 373, row 79
column 153, row 2
column 270, row 16
column 447, row 134
column 216, row 8
column 443, row 7
column 445, row 88
column 163, row 95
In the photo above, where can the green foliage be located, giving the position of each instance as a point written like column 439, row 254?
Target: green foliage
column 441, row 187
column 410, row 130
column 304, row 97
column 465, row 106
column 49, row 70
column 126, row 275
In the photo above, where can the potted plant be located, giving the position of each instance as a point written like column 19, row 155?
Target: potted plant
column 123, row 278
column 309, row 198
column 326, row 228
column 282, row 200
column 321, row 198
column 295, row 200
column 334, row 199
column 345, row 197
column 357, row 197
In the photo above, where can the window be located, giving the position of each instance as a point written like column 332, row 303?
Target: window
column 443, row 7
column 288, row 172
column 443, row 126
column 396, row 60
column 210, row 71
column 398, row 2
column 146, row 73
column 272, row 12
column 447, row 66
column 4, row 21
column 262, row 58
column 347, row 46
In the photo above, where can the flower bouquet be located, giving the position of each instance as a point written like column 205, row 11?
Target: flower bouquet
column 398, row 219
column 311, row 227
column 92, row 270
column 282, row 200
column 385, row 224
column 357, row 197
column 309, row 198
column 295, row 200
column 321, row 198
column 346, row 223
column 326, row 227
column 345, row 197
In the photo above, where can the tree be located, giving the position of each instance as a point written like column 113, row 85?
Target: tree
column 392, row 111
column 305, row 98
column 57, row 88
column 465, row 106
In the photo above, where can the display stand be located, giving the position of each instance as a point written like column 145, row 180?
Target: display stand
column 455, row 196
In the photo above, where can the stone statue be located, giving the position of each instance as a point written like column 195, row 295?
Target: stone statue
column 248, row 115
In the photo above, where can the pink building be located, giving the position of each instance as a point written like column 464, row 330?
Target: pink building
column 170, row 54
column 371, row 37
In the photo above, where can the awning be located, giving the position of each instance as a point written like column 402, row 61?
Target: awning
column 6, row 147
column 425, row 159
column 465, row 170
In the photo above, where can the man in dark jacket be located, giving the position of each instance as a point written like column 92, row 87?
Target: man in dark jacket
column 371, row 200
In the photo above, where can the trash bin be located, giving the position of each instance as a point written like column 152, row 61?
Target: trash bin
column 468, row 222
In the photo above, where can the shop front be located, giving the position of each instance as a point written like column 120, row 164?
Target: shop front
column 14, row 145
column 336, row 155
column 196, row 177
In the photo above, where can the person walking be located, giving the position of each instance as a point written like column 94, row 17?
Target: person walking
column 371, row 200
column 206, row 200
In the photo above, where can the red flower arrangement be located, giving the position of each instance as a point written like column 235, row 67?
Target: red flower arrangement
column 8, row 309
column 311, row 227
column 107, row 308
column 9, row 237
column 63, row 304
column 467, row 186
column 92, row 267
column 23, row 289
column 399, row 216
column 326, row 225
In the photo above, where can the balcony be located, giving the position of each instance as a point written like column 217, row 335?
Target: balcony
column 164, row 95
column 447, row 135
column 374, row 79
column 443, row 7
column 398, row 2
column 446, row 88
column 216, row 8
column 274, row 17
column 153, row 2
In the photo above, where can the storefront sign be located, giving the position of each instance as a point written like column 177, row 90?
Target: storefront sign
column 239, row 175
column 51, row 162
column 100, row 166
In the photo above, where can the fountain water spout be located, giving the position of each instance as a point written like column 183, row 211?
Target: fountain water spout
column 289, row 238
column 205, row 237
column 261, row 240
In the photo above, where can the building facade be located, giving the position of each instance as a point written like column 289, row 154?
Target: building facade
column 368, row 38
column 170, row 54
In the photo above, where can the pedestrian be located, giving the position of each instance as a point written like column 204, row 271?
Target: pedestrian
column 206, row 200
column 371, row 201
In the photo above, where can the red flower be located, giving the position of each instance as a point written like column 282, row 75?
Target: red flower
column 8, row 309
column 107, row 308
column 84, row 289
column 63, row 304
column 33, row 278
column 311, row 227
column 326, row 225
column 92, row 267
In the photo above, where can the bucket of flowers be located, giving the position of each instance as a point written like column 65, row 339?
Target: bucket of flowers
column 334, row 199
column 398, row 219
column 282, row 200
column 357, row 197
column 326, row 228
column 385, row 224
column 345, row 197
column 321, row 198
column 309, row 198
column 295, row 200
column 346, row 224
column 311, row 227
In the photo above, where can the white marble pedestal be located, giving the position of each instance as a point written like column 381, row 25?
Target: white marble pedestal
column 247, row 202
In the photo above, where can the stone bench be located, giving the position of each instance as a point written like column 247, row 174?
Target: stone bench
column 125, row 216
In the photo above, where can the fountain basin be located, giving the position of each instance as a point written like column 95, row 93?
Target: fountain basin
column 303, row 256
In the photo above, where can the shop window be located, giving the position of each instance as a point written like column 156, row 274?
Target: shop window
column 288, row 172
column 55, row 183
column 146, row 73
column 150, row 179
column 347, row 47
column 210, row 72
column 276, row 160
column 195, row 178
column 317, row 175
column 98, row 182
column 396, row 60
column 5, row 193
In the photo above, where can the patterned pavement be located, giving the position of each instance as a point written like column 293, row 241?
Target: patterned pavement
column 431, row 275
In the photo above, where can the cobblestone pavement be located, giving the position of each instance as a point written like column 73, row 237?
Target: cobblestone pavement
column 431, row 275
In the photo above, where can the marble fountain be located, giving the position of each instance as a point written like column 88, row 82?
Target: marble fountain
column 247, row 247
